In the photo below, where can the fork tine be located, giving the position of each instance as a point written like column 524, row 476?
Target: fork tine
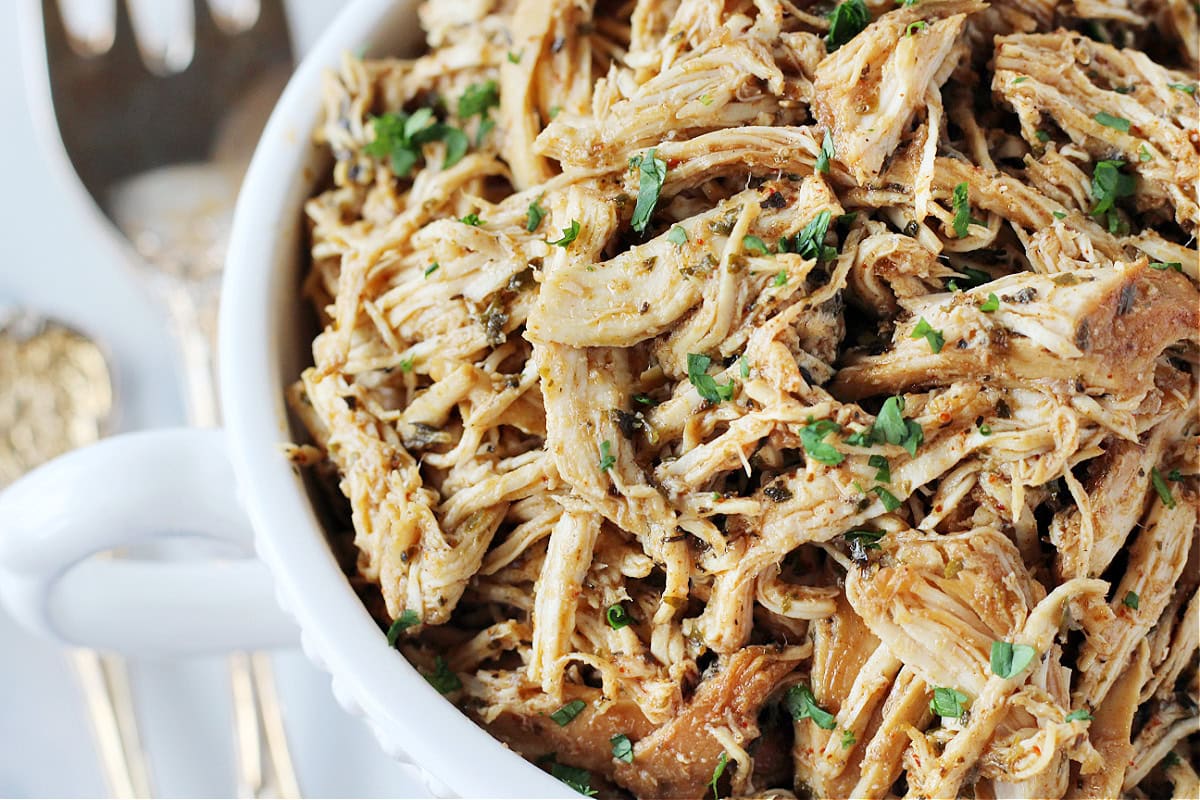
column 58, row 40
column 272, row 16
column 125, row 43
column 207, row 31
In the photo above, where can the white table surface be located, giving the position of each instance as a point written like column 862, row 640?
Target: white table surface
column 51, row 265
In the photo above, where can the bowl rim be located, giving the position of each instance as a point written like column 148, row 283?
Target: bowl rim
column 412, row 722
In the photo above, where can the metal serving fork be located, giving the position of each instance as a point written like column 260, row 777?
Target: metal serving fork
column 152, row 151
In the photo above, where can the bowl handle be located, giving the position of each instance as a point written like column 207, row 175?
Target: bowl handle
column 123, row 491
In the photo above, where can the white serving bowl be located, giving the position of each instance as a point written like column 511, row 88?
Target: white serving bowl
column 142, row 486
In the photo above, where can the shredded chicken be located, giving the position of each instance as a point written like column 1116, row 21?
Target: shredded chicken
column 759, row 398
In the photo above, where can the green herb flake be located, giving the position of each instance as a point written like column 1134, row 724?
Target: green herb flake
column 801, row 704
column 985, row 429
column 644, row 399
column 607, row 459
column 406, row 364
column 578, row 779
column 1160, row 486
column 884, row 470
column 652, row 173
column 962, row 209
column 442, row 678
column 846, row 21
column 478, row 99
column 812, row 438
column 755, row 245
column 934, row 337
column 891, row 427
column 677, row 236
column 744, row 367
column 617, row 616
column 948, row 702
column 622, row 748
column 780, row 279
column 432, row 268
column 890, row 501
column 1010, row 660
column 1109, row 184
column 1131, row 600
column 991, row 304
column 473, row 220
column 1171, row 759
column 1020, row 79
column 866, row 540
column 1165, row 265
column 568, row 712
column 718, row 771
column 534, row 216
column 810, row 241
column 1080, row 715
column 569, row 234
column 825, row 155
column 1109, row 121
column 706, row 99
column 1175, row 475
column 1144, row 153
column 1059, row 214
column 1041, row 136
column 406, row 620
column 916, row 27
column 848, row 739
column 515, row 58
column 707, row 386
column 1186, row 88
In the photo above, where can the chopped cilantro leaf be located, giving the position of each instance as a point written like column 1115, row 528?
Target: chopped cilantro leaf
column 568, row 712
column 478, row 98
column 569, row 235
column 473, row 220
column 1164, row 265
column 1131, row 600
column 1109, row 184
column 890, row 502
column 825, row 155
column 534, row 216
column 718, row 771
column 432, row 268
column 1188, row 88
column 1010, row 660
column 947, row 702
column 1160, row 486
column 402, row 623
column 1080, row 715
column 1110, row 121
column 991, row 304
column 652, row 173
column 846, row 21
column 780, row 279
column 755, row 245
column 934, row 337
column 622, row 748
column 801, row 704
column 707, row 386
column 810, row 241
column 848, row 739
column 607, row 459
column 744, row 366
column 962, row 209
column 884, row 473
column 812, row 438
column 578, row 779
column 442, row 678
column 677, row 235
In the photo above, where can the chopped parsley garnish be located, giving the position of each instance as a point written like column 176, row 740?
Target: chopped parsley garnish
column 1160, row 486
column 864, row 540
column 706, row 99
column 1059, row 214
column 644, row 399
column 578, row 779
column 825, row 155
column 652, row 174
column 934, row 337
column 677, row 235
column 1010, row 660
column 718, row 771
column 962, row 209
column 1187, row 88
column 1109, row 121
column 991, row 304
column 801, row 704
column 707, row 386
column 810, row 241
column 568, row 712
column 478, row 99
column 812, row 438
column 622, row 748
column 432, row 268
column 1080, row 715
column 780, row 279
column 890, row 502
column 1131, row 600
column 744, row 366
column 947, row 702
column 985, row 429
column 1041, row 136
column 442, row 678
column 473, row 220
column 569, row 235
column 917, row 27
column 607, row 459
column 406, row 364
column 1144, row 153
column 755, row 245
column 894, row 429
column 402, row 623
column 1109, row 184
column 534, row 216
column 617, row 616
column 848, row 739
column 845, row 22
column 1165, row 265
column 515, row 58
column 884, row 473
column 400, row 136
